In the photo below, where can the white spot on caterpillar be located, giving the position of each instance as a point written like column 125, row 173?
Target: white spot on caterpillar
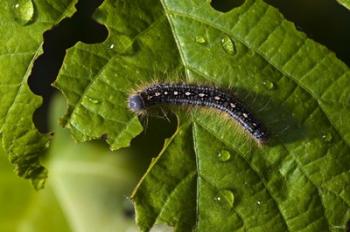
column 166, row 93
column 187, row 93
column 201, row 95
column 245, row 115
column 176, row 93
column 233, row 105
column 157, row 94
column 217, row 98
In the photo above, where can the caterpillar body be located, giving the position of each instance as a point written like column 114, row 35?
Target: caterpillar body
column 206, row 96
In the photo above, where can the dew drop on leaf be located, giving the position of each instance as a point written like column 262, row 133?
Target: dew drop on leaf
column 228, row 196
column 95, row 101
column 327, row 137
column 225, row 197
column 47, row 145
column 258, row 203
column 224, row 155
column 269, row 84
column 228, row 45
column 23, row 11
column 200, row 40
column 39, row 184
column 111, row 46
column 217, row 198
column 39, row 181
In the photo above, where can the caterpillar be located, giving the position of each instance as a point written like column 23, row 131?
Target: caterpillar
column 196, row 95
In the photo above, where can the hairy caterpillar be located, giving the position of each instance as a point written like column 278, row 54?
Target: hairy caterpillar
column 186, row 94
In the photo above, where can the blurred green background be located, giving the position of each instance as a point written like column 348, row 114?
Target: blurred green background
column 87, row 188
column 88, row 185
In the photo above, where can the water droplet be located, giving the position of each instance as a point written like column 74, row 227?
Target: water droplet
column 258, row 202
column 269, row 85
column 23, row 11
column 228, row 45
column 200, row 40
column 228, row 196
column 225, row 197
column 327, row 137
column 39, row 181
column 224, row 155
column 39, row 184
column 112, row 46
column 95, row 101
column 47, row 145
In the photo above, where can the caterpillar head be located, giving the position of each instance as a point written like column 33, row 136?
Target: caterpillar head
column 136, row 103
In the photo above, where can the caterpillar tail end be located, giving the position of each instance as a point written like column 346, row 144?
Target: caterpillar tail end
column 261, row 136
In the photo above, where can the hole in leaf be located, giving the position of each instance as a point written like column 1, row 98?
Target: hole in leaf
column 225, row 5
column 150, row 142
column 80, row 27
column 327, row 22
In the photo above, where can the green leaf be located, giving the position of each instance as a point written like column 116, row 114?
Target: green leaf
column 345, row 3
column 175, row 200
column 91, row 75
column 85, row 192
column 22, row 25
column 295, row 86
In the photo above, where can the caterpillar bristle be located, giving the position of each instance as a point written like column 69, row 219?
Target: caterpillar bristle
column 198, row 95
